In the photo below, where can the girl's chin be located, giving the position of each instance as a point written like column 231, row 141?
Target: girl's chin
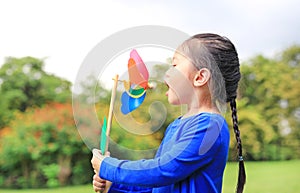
column 172, row 101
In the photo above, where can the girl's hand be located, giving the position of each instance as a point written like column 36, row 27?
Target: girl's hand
column 97, row 159
column 98, row 183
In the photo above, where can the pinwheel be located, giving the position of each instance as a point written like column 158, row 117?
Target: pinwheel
column 132, row 97
column 136, row 87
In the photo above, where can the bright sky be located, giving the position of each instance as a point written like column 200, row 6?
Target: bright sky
column 64, row 31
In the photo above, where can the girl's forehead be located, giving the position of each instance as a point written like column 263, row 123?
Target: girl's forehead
column 178, row 55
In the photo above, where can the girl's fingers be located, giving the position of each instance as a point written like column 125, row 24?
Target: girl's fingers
column 98, row 183
column 107, row 153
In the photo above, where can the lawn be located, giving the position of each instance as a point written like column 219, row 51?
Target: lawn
column 75, row 189
column 262, row 177
column 265, row 177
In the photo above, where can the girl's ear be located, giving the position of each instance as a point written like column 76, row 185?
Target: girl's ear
column 201, row 77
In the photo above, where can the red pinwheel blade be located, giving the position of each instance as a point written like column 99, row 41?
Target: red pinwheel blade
column 135, row 76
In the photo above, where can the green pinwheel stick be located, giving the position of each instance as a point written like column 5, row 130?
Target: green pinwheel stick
column 105, row 131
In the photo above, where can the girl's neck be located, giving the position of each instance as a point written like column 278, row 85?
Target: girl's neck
column 200, row 107
column 195, row 111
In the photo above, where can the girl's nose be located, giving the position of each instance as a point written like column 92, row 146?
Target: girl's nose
column 167, row 75
column 168, row 72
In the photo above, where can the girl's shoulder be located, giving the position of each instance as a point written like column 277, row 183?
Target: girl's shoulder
column 198, row 122
column 203, row 122
column 203, row 117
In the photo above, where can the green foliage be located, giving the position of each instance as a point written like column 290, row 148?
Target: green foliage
column 24, row 84
column 51, row 172
column 41, row 147
column 255, row 132
column 270, row 106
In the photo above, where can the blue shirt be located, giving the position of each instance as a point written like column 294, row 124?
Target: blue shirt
column 191, row 158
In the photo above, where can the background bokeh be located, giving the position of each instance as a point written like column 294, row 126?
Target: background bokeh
column 43, row 44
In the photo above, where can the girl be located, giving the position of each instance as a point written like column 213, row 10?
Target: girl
column 193, row 153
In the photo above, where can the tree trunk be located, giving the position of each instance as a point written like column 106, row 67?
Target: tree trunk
column 65, row 170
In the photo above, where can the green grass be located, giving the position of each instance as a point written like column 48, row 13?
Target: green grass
column 262, row 177
column 74, row 189
column 265, row 177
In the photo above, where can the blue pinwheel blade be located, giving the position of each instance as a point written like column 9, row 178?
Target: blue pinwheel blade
column 129, row 103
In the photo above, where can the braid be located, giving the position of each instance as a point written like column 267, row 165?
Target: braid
column 242, row 173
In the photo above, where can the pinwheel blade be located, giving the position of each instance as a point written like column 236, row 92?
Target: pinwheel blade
column 140, row 64
column 135, row 76
column 103, row 136
column 130, row 103
column 136, row 92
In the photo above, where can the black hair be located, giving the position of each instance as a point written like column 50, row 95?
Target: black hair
column 225, row 57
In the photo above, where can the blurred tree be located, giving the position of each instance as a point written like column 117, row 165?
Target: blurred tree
column 42, row 145
column 290, row 123
column 24, row 83
column 271, row 87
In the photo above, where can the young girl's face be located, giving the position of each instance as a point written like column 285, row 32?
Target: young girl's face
column 179, row 79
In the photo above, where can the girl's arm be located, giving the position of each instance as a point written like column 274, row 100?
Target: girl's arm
column 188, row 154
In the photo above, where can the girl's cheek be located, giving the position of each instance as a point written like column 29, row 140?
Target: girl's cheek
column 173, row 75
column 179, row 83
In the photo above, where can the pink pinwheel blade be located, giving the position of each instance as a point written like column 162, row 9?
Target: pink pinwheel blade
column 135, row 76
column 140, row 64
